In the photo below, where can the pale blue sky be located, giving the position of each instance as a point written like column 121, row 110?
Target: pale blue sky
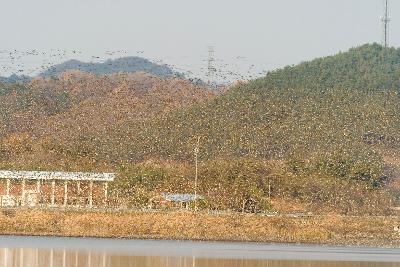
column 264, row 33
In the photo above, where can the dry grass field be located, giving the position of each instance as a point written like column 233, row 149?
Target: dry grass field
column 327, row 229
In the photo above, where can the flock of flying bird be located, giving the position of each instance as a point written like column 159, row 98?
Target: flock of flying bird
column 33, row 62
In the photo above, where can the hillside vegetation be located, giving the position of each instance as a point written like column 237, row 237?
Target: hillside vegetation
column 368, row 67
column 314, row 126
column 323, row 135
column 56, row 122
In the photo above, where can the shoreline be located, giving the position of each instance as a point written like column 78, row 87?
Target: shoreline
column 323, row 230
column 216, row 250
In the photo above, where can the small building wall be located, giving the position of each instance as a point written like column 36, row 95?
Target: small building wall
column 8, row 201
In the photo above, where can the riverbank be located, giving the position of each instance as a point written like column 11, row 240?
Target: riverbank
column 168, row 225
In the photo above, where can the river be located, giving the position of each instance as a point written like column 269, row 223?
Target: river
column 90, row 252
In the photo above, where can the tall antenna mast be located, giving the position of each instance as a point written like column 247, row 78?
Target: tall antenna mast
column 211, row 67
column 386, row 21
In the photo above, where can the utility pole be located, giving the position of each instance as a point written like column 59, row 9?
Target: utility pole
column 385, row 21
column 211, row 67
column 269, row 190
column 196, row 157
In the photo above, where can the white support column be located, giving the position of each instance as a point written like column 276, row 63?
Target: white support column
column 106, row 194
column 53, row 189
column 8, row 187
column 38, row 191
column 23, row 193
column 78, row 196
column 91, row 194
column 65, row 193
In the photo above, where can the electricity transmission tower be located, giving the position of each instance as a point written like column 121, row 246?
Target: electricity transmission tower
column 385, row 21
column 211, row 68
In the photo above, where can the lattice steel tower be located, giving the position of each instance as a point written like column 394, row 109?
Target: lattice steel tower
column 385, row 21
column 211, row 65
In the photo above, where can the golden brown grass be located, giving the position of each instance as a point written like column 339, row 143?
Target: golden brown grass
column 330, row 229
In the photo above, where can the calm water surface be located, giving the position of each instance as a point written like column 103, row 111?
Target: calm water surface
column 68, row 252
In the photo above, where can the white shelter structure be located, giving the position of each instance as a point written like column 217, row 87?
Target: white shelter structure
column 32, row 197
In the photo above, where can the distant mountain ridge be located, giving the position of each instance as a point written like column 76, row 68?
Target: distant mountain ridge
column 125, row 64
column 14, row 78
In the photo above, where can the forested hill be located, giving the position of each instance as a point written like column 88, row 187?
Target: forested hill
column 328, row 103
column 329, row 129
column 126, row 64
column 272, row 117
column 368, row 67
column 342, row 131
